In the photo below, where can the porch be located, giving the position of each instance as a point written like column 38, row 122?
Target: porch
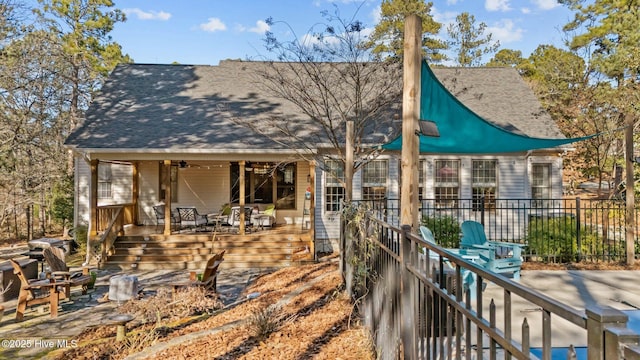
column 122, row 245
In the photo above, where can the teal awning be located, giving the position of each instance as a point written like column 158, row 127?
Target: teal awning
column 464, row 132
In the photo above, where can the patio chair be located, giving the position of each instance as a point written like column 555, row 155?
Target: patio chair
column 55, row 258
column 209, row 278
column 189, row 217
column 37, row 292
column 468, row 277
column 496, row 256
column 234, row 217
column 159, row 212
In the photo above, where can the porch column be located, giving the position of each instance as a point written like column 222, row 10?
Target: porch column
column 93, row 199
column 135, row 192
column 312, row 207
column 242, row 195
column 166, row 184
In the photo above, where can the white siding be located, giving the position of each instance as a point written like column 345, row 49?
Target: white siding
column 149, row 193
column 82, row 176
column 512, row 178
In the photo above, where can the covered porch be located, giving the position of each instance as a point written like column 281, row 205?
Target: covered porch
column 209, row 186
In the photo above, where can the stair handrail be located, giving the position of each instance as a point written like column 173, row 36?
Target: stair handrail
column 108, row 237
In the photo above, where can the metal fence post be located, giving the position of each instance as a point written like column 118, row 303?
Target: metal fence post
column 578, row 229
column 406, row 299
column 599, row 319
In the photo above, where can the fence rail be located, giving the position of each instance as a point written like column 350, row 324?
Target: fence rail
column 416, row 309
column 554, row 230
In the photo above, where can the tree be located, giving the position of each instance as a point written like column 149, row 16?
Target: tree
column 469, row 41
column 87, row 54
column 506, row 57
column 50, row 70
column 332, row 79
column 610, row 32
column 386, row 39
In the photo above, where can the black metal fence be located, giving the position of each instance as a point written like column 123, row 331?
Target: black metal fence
column 554, row 230
column 416, row 308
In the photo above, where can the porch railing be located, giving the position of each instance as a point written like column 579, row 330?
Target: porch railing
column 555, row 230
column 111, row 221
column 415, row 309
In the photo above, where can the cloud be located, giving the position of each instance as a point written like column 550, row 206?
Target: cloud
column 147, row 15
column 505, row 31
column 213, row 25
column 452, row 2
column 260, row 28
column 545, row 4
column 497, row 5
column 525, row 10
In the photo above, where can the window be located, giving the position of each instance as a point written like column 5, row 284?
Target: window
column 333, row 185
column 265, row 182
column 447, row 183
column 540, row 184
column 484, row 184
column 104, row 181
column 374, row 180
column 286, row 187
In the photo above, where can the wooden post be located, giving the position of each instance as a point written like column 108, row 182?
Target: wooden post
column 242, row 180
column 166, row 182
column 93, row 199
column 630, row 225
column 134, row 192
column 348, row 162
column 410, row 117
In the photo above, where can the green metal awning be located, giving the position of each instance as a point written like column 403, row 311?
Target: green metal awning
column 464, row 132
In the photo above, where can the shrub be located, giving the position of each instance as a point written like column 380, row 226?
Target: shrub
column 266, row 321
column 555, row 239
column 446, row 230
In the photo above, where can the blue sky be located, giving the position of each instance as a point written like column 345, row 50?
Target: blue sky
column 207, row 31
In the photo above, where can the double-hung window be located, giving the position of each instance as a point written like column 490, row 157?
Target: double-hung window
column 104, row 181
column 374, row 180
column 540, row 184
column 333, row 185
column 483, row 184
column 447, row 183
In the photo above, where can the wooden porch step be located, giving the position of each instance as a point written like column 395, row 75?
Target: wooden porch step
column 190, row 251
column 162, row 251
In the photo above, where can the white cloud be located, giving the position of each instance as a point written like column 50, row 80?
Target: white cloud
column 525, row 10
column 505, row 31
column 376, row 14
column 213, row 25
column 260, row 28
column 452, row 2
column 147, row 15
column 546, row 4
column 497, row 5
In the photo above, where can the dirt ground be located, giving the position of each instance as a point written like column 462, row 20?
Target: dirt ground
column 318, row 322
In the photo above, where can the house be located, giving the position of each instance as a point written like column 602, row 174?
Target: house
column 164, row 133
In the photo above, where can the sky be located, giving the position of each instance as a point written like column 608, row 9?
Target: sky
column 203, row 32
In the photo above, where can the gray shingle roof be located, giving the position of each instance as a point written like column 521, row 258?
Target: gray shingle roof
column 178, row 107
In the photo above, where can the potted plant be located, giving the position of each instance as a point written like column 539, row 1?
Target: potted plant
column 92, row 282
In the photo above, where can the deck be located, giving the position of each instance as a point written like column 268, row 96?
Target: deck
column 146, row 248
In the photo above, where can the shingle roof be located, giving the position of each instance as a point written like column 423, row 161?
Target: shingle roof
column 177, row 107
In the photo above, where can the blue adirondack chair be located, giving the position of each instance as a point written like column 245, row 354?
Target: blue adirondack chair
column 468, row 277
column 496, row 256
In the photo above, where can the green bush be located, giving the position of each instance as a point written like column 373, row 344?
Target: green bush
column 446, row 230
column 556, row 239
